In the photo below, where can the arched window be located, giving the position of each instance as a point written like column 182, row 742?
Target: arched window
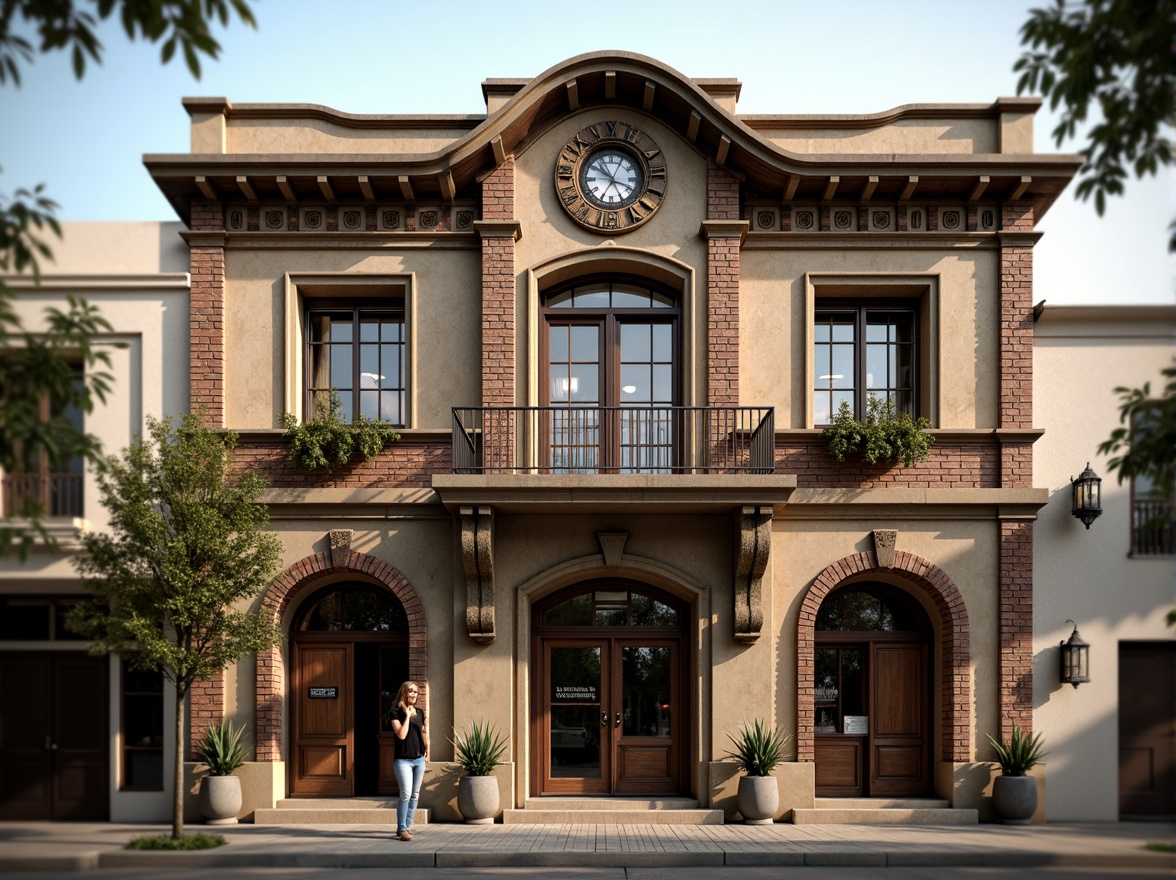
column 869, row 610
column 352, row 608
column 612, row 605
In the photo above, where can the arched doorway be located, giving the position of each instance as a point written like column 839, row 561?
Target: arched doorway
column 872, row 694
column 610, row 690
column 349, row 646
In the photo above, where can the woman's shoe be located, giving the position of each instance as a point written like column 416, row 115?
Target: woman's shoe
column 405, row 835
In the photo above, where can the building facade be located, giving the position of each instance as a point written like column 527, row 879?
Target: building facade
column 611, row 317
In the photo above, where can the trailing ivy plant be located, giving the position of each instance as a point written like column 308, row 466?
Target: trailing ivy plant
column 884, row 437
column 327, row 441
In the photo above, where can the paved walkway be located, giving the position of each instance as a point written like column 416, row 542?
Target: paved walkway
column 85, row 846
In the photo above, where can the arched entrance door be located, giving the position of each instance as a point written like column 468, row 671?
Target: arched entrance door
column 610, row 698
column 872, row 696
column 349, row 643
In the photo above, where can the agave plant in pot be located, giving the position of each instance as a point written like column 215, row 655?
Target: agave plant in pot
column 224, row 751
column 1014, row 792
column 758, row 749
column 478, row 750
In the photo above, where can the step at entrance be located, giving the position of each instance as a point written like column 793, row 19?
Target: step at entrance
column 883, row 811
column 612, row 811
column 335, row 811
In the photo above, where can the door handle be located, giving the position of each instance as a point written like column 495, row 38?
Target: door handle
column 618, row 721
column 604, row 719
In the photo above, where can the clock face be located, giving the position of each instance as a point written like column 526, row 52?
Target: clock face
column 610, row 177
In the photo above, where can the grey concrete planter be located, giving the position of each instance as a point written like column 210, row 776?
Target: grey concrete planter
column 477, row 799
column 758, row 799
column 1014, row 798
column 220, row 799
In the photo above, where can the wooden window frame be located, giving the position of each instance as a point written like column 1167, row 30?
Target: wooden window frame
column 124, row 749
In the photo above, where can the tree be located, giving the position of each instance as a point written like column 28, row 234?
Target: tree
column 38, row 368
column 186, row 554
column 1120, row 57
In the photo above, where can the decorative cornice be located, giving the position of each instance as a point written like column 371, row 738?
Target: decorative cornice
column 499, row 229
column 724, row 229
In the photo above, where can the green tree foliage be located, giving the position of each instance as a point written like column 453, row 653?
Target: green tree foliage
column 325, row 440
column 885, row 437
column 1117, row 57
column 38, row 367
column 187, row 552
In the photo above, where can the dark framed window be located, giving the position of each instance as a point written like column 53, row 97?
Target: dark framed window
column 42, row 486
column 36, row 619
column 141, row 729
column 861, row 351
column 356, row 351
column 1153, row 514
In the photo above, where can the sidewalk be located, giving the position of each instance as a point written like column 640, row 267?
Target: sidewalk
column 85, row 846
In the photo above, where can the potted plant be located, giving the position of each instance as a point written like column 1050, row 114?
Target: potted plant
column 224, row 752
column 886, row 436
column 1014, row 792
column 758, row 749
column 478, row 752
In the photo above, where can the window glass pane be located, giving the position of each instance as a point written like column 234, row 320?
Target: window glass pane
column 142, row 681
column 860, row 612
column 369, row 404
column 663, row 384
column 341, row 330
column 842, row 375
column 647, row 611
column 355, row 609
column 61, row 632
column 636, row 343
column 878, row 366
column 576, row 611
column 661, row 300
column 822, row 408
column 369, row 366
column 877, row 331
column 585, row 344
column 369, row 329
column 24, row 619
column 143, row 719
column 143, row 768
column 561, row 384
column 391, row 407
column 645, row 694
column 557, row 343
column 636, row 385
column 563, row 299
column 630, row 296
column 851, row 684
column 663, row 343
column 391, row 357
column 341, row 367
column 842, row 328
column 840, row 397
column 330, row 326
column 584, row 383
column 592, row 297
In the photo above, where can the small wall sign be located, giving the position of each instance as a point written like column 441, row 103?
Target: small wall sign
column 324, row 693
column 572, row 694
column 859, row 724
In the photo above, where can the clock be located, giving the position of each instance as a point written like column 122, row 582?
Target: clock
column 610, row 177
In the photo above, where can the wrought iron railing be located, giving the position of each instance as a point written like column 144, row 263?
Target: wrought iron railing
column 47, row 494
column 613, row 440
column 1153, row 530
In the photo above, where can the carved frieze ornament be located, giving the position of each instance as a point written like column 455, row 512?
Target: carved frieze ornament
column 340, row 541
column 477, row 556
column 884, row 544
column 612, row 546
column 753, row 541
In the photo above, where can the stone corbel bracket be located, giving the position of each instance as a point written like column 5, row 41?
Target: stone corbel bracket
column 753, row 542
column 477, row 556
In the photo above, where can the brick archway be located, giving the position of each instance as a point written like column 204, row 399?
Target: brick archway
column 955, row 684
column 306, row 574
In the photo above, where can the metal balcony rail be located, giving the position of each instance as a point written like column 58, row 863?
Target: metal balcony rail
column 54, row 494
column 613, row 440
column 1153, row 529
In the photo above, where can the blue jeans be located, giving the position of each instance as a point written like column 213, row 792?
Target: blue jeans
column 410, row 773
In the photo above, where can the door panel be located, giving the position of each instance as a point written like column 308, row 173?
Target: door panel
column 644, row 741
column 898, row 720
column 1147, row 730
column 54, row 736
column 324, row 751
column 839, row 766
column 574, row 702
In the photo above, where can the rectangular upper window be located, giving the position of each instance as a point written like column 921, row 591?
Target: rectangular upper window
column 356, row 351
column 1153, row 520
column 864, row 351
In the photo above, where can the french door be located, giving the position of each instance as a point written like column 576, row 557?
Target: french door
column 609, row 715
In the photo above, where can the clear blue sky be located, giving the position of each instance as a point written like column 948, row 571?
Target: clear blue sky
column 85, row 140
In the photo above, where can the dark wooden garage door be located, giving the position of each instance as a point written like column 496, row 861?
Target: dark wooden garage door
column 54, row 736
column 1147, row 730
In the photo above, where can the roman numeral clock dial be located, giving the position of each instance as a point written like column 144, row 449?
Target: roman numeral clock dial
column 610, row 177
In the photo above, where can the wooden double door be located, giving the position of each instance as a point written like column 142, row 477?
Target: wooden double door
column 54, row 735
column 343, row 688
column 609, row 717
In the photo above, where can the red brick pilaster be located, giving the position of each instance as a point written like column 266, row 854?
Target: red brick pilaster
column 1016, row 626
column 724, row 233
column 207, row 314
column 1016, row 319
column 206, row 707
column 499, row 232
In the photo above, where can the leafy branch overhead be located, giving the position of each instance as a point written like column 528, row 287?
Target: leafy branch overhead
column 70, row 26
column 884, row 437
column 1114, row 60
column 325, row 440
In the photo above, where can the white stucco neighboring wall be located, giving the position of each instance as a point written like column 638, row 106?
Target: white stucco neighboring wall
column 1081, row 354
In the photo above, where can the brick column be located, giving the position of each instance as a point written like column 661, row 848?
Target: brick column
column 499, row 232
column 207, row 312
column 724, row 233
column 1016, row 411
column 206, row 706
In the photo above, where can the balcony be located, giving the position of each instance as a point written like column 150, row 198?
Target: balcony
column 561, row 440
column 1153, row 530
column 56, row 495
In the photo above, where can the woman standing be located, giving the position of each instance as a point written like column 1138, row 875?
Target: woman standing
column 411, row 748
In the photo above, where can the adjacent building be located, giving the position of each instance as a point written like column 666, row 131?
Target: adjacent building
column 611, row 317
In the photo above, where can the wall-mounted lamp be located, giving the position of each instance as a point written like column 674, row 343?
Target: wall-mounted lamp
column 1087, row 491
column 1075, row 659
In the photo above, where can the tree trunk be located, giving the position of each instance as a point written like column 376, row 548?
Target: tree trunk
column 178, row 770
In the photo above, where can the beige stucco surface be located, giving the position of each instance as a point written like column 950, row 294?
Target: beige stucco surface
column 901, row 136
column 1087, row 575
column 320, row 136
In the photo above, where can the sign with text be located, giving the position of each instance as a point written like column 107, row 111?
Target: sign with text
column 324, row 693
column 859, row 724
column 575, row 694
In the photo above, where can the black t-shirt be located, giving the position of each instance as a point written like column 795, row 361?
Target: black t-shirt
column 413, row 744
